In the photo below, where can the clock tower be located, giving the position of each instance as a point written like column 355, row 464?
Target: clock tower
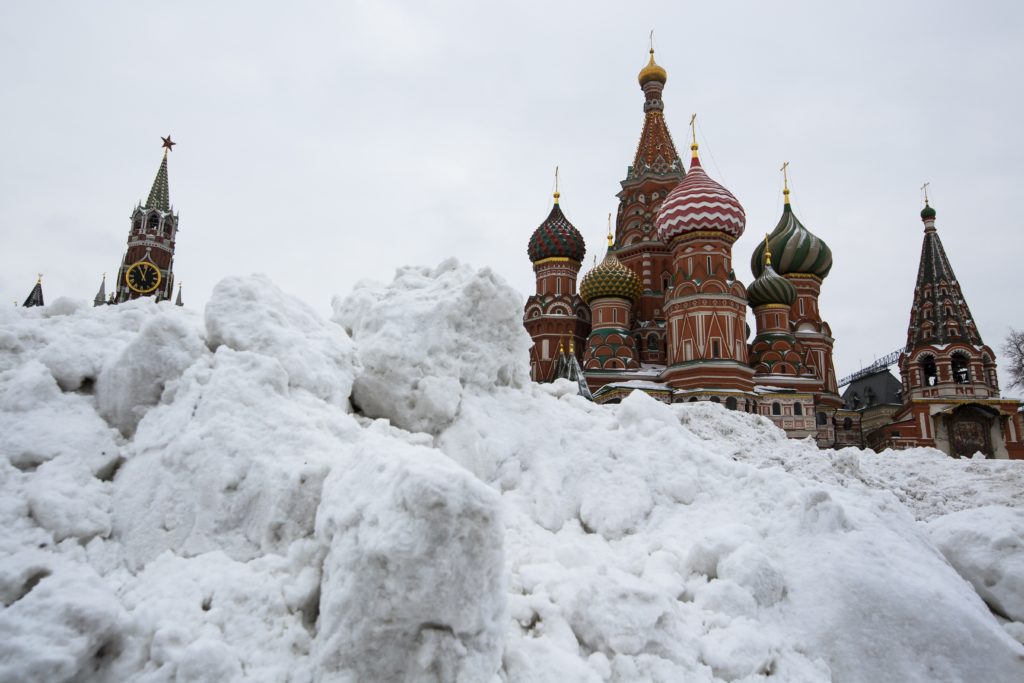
column 147, row 266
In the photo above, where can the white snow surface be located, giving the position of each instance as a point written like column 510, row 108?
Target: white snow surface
column 256, row 493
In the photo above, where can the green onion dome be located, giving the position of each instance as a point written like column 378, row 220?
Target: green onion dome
column 770, row 288
column 610, row 278
column 795, row 249
column 556, row 237
column 927, row 213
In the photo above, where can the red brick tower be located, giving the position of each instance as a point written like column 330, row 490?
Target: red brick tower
column 805, row 260
column 556, row 313
column 655, row 171
column 950, row 389
column 147, row 266
column 788, row 387
column 706, row 307
column 611, row 290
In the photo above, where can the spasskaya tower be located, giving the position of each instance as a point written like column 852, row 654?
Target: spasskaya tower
column 147, row 266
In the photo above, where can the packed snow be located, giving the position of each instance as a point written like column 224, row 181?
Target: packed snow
column 257, row 493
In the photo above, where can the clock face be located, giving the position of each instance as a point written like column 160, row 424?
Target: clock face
column 143, row 277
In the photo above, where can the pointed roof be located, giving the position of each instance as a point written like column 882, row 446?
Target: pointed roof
column 101, row 295
column 35, row 297
column 938, row 299
column 177, row 302
column 655, row 153
column 160, row 193
column 567, row 367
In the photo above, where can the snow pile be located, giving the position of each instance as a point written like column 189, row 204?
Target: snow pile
column 260, row 494
column 986, row 545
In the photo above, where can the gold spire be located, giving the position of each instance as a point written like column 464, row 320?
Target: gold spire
column 785, row 182
column 767, row 251
column 611, row 240
column 557, row 194
column 693, row 130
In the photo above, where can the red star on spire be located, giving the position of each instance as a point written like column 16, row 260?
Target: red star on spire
column 168, row 143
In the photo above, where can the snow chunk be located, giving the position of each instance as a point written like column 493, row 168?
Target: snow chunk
column 134, row 380
column 63, row 623
column 429, row 336
column 986, row 546
column 232, row 463
column 412, row 583
column 252, row 314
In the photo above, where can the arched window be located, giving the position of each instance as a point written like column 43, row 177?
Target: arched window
column 666, row 282
column 138, row 223
column 798, row 408
column 730, row 403
column 961, row 371
column 715, row 399
column 822, row 418
column 929, row 373
column 693, row 399
column 652, row 342
column 776, row 408
column 153, row 222
column 847, row 424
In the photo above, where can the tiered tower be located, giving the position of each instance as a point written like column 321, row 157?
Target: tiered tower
column 706, row 306
column 147, row 266
column 610, row 290
column 655, row 171
column 950, row 388
column 805, row 260
column 35, row 297
column 555, row 314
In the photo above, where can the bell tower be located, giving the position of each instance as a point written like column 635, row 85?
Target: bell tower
column 147, row 266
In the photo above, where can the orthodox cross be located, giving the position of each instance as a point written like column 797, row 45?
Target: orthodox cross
column 693, row 127
column 925, row 188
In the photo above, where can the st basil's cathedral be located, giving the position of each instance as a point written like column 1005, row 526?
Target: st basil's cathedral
column 665, row 313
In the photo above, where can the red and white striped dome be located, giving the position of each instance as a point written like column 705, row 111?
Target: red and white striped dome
column 698, row 203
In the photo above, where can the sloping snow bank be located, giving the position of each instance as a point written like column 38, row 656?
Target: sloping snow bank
column 215, row 511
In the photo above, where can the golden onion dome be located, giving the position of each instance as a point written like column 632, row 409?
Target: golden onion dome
column 652, row 72
column 611, row 279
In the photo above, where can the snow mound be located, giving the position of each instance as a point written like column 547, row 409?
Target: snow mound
column 986, row 545
column 246, row 521
column 412, row 584
column 430, row 335
column 252, row 314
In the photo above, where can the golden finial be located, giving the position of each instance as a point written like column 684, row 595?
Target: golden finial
column 785, row 181
column 39, row 278
column 652, row 72
column 611, row 240
column 767, row 251
column 651, row 38
column 557, row 194
column 693, row 130
column 925, row 188
column 572, row 346
column 561, row 345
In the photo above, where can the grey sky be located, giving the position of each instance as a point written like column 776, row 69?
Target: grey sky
column 322, row 145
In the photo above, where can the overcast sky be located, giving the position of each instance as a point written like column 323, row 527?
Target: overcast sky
column 322, row 145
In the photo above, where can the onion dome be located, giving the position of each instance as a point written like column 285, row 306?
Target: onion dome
column 770, row 287
column 927, row 213
column 698, row 203
column 797, row 250
column 652, row 72
column 556, row 237
column 610, row 278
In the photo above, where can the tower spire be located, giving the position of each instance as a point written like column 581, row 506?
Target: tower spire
column 611, row 239
column 557, row 193
column 101, row 295
column 35, row 297
column 694, row 157
column 160, row 194
column 785, row 182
